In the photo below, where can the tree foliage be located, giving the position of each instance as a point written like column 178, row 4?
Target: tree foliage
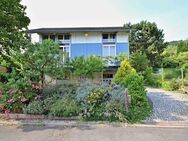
column 38, row 60
column 13, row 24
column 124, row 70
column 145, row 37
column 139, row 61
column 175, row 55
column 88, row 66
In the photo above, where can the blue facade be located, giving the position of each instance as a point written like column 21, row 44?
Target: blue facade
column 86, row 49
column 122, row 48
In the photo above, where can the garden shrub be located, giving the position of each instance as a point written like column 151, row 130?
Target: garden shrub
column 171, row 85
column 84, row 89
column 93, row 104
column 124, row 70
column 17, row 92
column 140, row 107
column 63, row 89
column 115, row 111
column 38, row 107
column 66, row 107
column 151, row 79
column 117, row 93
column 35, row 107
column 172, row 73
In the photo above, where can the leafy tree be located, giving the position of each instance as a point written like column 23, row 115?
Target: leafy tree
column 37, row 60
column 88, row 66
column 124, row 70
column 45, row 58
column 139, row 61
column 145, row 37
column 182, row 46
column 13, row 24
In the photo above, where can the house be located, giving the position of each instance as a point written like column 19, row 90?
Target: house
column 84, row 41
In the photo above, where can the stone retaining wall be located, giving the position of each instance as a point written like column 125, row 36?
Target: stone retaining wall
column 32, row 117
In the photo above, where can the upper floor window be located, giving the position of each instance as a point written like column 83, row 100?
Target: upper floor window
column 109, row 37
column 63, row 38
column 51, row 37
column 44, row 37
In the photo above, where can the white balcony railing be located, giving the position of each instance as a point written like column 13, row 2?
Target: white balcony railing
column 64, row 41
column 108, row 40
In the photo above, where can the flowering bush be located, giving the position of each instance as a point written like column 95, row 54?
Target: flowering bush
column 16, row 93
column 93, row 105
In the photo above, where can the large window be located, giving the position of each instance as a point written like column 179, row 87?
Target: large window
column 66, row 51
column 109, row 50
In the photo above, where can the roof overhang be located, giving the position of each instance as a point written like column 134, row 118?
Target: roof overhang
column 78, row 29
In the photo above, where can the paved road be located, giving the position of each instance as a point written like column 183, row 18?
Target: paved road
column 168, row 106
column 28, row 133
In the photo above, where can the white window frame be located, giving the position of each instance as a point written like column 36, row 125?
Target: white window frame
column 64, row 40
column 108, row 45
column 63, row 48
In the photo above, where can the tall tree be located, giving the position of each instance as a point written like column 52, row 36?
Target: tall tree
column 145, row 37
column 13, row 24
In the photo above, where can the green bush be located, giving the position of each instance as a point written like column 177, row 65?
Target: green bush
column 124, row 70
column 171, row 85
column 94, row 103
column 35, row 107
column 151, row 79
column 17, row 92
column 115, row 111
column 38, row 107
column 171, row 73
column 66, row 107
column 84, row 90
column 58, row 91
column 140, row 107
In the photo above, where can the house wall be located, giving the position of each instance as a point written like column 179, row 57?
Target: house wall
column 84, row 44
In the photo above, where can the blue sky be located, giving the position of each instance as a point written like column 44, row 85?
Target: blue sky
column 170, row 15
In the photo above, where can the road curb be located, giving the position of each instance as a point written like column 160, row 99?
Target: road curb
column 63, row 123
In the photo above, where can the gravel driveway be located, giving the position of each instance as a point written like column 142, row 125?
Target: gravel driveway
column 168, row 106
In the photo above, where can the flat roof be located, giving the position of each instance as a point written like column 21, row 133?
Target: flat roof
column 78, row 29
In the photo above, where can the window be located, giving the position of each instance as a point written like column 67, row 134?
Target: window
column 112, row 36
column 107, row 75
column 52, row 37
column 109, row 37
column 105, row 36
column 44, row 37
column 60, row 37
column 66, row 51
column 109, row 50
column 66, row 37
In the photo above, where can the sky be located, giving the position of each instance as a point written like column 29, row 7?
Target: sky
column 169, row 15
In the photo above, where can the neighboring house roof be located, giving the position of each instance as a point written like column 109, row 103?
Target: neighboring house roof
column 79, row 29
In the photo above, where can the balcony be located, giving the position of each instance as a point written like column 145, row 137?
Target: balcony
column 63, row 42
column 108, row 40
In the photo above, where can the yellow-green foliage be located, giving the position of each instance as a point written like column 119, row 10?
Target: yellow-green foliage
column 124, row 70
column 3, row 69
